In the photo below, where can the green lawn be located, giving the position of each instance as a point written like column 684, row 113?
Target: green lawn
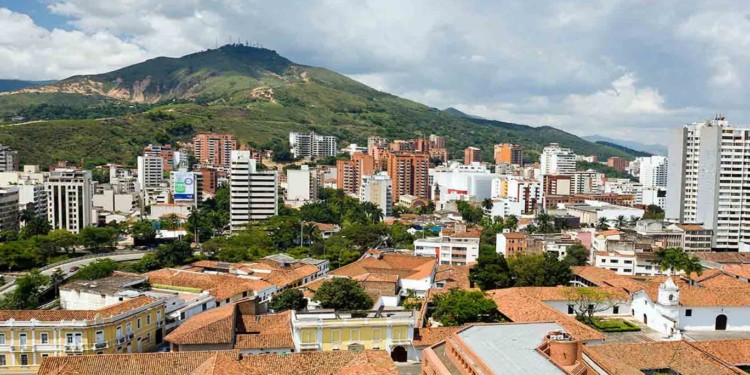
column 615, row 325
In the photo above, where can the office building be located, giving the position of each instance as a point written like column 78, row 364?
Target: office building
column 301, row 185
column 409, row 174
column 214, row 150
column 653, row 171
column 557, row 160
column 508, row 153
column 8, row 159
column 150, row 171
column 253, row 194
column 618, row 163
column 69, row 199
column 471, row 155
column 308, row 146
column 378, row 189
column 706, row 173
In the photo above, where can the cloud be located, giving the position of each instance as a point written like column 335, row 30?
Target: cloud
column 613, row 67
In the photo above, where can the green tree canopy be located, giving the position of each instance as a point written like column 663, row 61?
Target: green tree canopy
column 458, row 307
column 675, row 259
column 539, row 270
column 97, row 239
column 577, row 255
column 27, row 294
column 290, row 299
column 341, row 293
column 97, row 269
column 491, row 272
column 143, row 232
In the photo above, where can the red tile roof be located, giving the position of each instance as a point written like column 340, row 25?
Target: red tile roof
column 405, row 266
column 58, row 315
column 221, row 286
column 210, row 327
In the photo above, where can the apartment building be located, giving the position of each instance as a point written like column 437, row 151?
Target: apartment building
column 308, row 146
column 653, row 171
column 471, row 155
column 457, row 246
column 508, row 153
column 150, row 172
column 618, row 163
column 556, row 160
column 29, row 336
column 437, row 141
column 9, row 208
column 511, row 244
column 301, row 185
column 409, row 174
column 214, row 150
column 349, row 173
column 253, row 194
column 171, row 158
column 69, row 199
column 706, row 174
column 8, row 159
column 378, row 189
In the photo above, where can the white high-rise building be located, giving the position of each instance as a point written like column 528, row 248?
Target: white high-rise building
column 556, row 160
column 301, row 184
column 709, row 164
column 253, row 194
column 378, row 189
column 69, row 199
column 8, row 159
column 653, row 171
column 150, row 171
column 308, row 146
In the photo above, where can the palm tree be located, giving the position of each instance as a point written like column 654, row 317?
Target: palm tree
column 487, row 204
column 620, row 221
column 634, row 220
column 602, row 224
column 544, row 222
column 511, row 222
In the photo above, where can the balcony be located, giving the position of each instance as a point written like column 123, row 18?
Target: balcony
column 120, row 340
column 75, row 348
column 131, row 336
column 100, row 345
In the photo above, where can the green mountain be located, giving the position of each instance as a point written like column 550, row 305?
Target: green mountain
column 625, row 149
column 252, row 93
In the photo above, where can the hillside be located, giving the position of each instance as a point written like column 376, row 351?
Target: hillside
column 654, row 149
column 624, row 149
column 253, row 93
column 15, row 84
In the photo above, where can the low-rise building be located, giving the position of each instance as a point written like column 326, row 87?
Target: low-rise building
column 224, row 287
column 412, row 272
column 511, row 244
column 457, row 245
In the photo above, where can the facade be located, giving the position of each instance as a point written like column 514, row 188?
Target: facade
column 409, row 173
column 457, row 246
column 308, row 146
column 349, row 173
column 171, row 158
column 511, row 244
column 557, row 184
column 301, row 184
column 378, row 190
column 508, row 153
column 150, row 171
column 214, row 150
column 253, row 194
column 437, row 141
column 586, row 182
column 69, row 199
column 462, row 181
column 557, row 160
column 8, row 159
column 618, row 163
column 28, row 336
column 653, row 171
column 9, row 208
column 471, row 155
column 408, row 272
column 706, row 173
column 591, row 212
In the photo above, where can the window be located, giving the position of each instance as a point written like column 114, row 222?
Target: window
column 158, row 316
column 148, row 319
column 615, row 309
column 354, row 335
column 308, row 337
column 24, row 360
column 204, row 307
column 336, row 336
column 570, row 309
column 128, row 328
column 45, row 338
column 689, row 312
column 148, row 337
column 2, row 339
column 138, row 323
column 100, row 337
column 119, row 332
column 23, row 339
column 2, row 360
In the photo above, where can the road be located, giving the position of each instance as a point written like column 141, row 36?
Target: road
column 68, row 268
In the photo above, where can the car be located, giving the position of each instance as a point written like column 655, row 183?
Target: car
column 74, row 269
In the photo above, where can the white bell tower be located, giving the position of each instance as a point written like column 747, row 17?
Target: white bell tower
column 669, row 293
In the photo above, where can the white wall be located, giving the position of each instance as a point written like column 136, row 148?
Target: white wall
column 704, row 318
column 420, row 286
column 562, row 306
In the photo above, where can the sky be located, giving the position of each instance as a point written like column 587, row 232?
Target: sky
column 629, row 70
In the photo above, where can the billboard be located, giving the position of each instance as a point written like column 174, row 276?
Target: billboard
column 184, row 186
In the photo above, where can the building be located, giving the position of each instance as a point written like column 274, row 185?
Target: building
column 556, row 160
column 591, row 212
column 150, row 172
column 301, row 185
column 437, row 141
column 458, row 245
column 253, row 194
column 462, row 181
column 439, row 153
column 214, row 150
column 653, row 171
column 171, row 158
column 586, row 182
column 9, row 208
column 472, row 155
column 225, row 288
column 706, row 173
column 29, row 336
column 308, row 146
column 409, row 173
column 509, row 153
column 557, row 184
column 69, row 199
column 350, row 172
column 511, row 244
column 618, row 163
column 378, row 189
column 406, row 271
column 8, row 159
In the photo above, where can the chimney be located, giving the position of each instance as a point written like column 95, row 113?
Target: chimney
column 564, row 351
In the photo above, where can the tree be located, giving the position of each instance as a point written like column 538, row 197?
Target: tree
column 633, row 220
column 343, row 294
column 487, row 204
column 491, row 272
column 173, row 253
column 577, row 255
column 459, row 306
column 97, row 239
column 35, row 226
column 675, row 259
column 290, row 299
column 97, row 269
column 588, row 301
column 143, row 232
column 544, row 222
column 170, row 222
column 539, row 270
column 28, row 292
column 511, row 222
column 56, row 279
column 602, row 224
column 469, row 213
column 620, row 221
column 654, row 212
column 63, row 240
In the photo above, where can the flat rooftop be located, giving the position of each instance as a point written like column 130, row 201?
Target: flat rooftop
column 511, row 349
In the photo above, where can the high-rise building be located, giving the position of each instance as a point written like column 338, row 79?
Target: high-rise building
column 707, row 172
column 618, row 163
column 557, row 160
column 171, row 158
column 409, row 174
column 150, row 171
column 377, row 189
column 557, row 184
column 349, row 173
column 253, row 194
column 209, row 180
column 377, row 141
column 437, row 141
column 586, row 182
column 471, row 155
column 509, row 153
column 8, row 159
column 653, row 171
column 9, row 208
column 439, row 153
column 301, row 184
column 214, row 150
column 308, row 146
column 69, row 199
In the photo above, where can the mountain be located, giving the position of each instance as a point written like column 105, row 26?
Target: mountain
column 624, row 149
column 455, row 112
column 252, row 93
column 15, row 84
column 651, row 149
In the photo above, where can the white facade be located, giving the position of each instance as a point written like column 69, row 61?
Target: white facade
column 456, row 250
column 150, row 171
column 308, row 146
column 473, row 180
column 708, row 169
column 505, row 207
column 586, row 182
column 108, row 200
column 253, row 195
column 655, row 196
column 378, row 189
column 301, row 185
column 8, row 159
column 556, row 160
column 653, row 171
column 69, row 199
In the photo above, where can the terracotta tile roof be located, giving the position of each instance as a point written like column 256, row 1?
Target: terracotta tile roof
column 734, row 352
column 690, row 227
column 432, row 335
column 376, row 277
column 326, row 227
column 405, row 266
column 210, row 327
column 724, row 257
column 453, row 276
column 741, row 270
column 514, row 235
column 468, row 233
column 264, row 341
column 721, row 290
column 310, row 288
column 58, row 315
column 607, row 233
column 221, row 286
column 520, row 308
column 223, row 363
column 559, row 293
column 680, row 356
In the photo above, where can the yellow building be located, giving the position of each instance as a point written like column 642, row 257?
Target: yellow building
column 27, row 336
column 391, row 331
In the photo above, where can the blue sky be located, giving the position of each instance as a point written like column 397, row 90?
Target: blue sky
column 624, row 69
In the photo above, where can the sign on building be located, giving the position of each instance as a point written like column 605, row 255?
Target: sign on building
column 184, row 186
